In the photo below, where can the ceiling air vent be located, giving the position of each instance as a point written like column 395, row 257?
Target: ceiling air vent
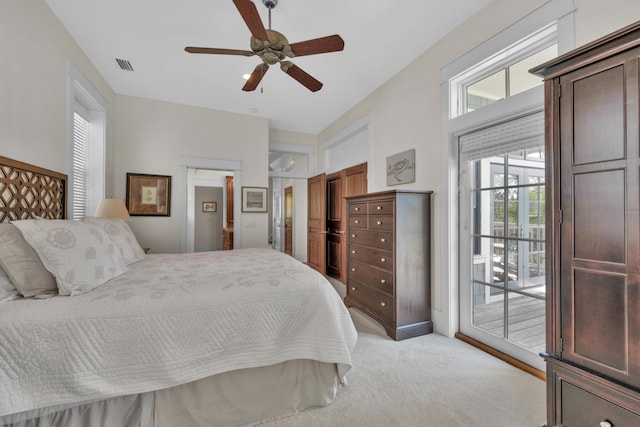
column 124, row 64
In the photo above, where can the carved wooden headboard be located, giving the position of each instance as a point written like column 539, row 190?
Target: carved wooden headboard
column 28, row 191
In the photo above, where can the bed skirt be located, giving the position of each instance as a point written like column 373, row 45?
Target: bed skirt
column 244, row 397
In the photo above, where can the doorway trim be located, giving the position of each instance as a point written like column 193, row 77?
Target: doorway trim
column 234, row 166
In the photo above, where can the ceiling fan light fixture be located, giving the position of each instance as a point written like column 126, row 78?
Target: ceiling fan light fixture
column 273, row 47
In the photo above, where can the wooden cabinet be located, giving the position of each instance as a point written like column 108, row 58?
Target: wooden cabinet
column 593, row 233
column 389, row 260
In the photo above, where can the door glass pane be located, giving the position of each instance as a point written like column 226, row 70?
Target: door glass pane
column 508, row 203
column 488, row 309
column 526, row 321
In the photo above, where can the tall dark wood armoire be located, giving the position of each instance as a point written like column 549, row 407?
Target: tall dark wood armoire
column 592, row 98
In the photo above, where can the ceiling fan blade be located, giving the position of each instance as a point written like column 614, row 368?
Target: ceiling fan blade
column 301, row 76
column 251, row 17
column 322, row 45
column 213, row 50
column 255, row 78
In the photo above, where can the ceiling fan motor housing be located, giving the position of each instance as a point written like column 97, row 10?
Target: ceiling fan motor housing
column 270, row 4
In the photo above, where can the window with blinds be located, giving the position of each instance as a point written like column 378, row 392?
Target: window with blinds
column 80, row 166
column 87, row 145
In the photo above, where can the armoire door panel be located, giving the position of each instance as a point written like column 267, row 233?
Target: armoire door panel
column 599, row 216
column 599, row 96
column 592, row 103
column 600, row 310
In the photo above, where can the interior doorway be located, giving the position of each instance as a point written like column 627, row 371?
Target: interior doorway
column 287, row 215
column 207, row 198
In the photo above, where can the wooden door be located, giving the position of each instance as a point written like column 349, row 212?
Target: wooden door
column 316, row 223
column 348, row 182
column 288, row 221
column 335, row 226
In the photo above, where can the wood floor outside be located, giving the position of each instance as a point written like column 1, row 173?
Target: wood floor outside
column 526, row 322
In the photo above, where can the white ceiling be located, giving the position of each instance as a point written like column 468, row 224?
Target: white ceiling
column 381, row 38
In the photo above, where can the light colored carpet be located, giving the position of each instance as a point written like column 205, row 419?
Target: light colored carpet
column 426, row 381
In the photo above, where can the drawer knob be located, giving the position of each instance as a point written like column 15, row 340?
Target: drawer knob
column 379, row 208
column 383, row 260
column 353, row 288
column 353, row 236
column 356, row 209
column 357, row 221
column 383, row 281
column 379, row 222
column 383, row 239
column 353, row 251
column 605, row 423
column 384, row 304
column 353, row 269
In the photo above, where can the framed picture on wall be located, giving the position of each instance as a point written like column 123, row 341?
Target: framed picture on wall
column 401, row 168
column 209, row 206
column 254, row 199
column 148, row 195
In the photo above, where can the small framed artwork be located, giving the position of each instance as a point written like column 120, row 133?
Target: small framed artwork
column 254, row 199
column 148, row 195
column 401, row 168
column 209, row 206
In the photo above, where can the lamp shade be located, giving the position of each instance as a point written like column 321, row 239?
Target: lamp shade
column 112, row 208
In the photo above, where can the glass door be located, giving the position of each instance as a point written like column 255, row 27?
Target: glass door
column 502, row 256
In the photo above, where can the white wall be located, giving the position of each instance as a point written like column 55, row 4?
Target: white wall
column 152, row 136
column 34, row 97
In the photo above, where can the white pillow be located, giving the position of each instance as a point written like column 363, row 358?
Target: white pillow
column 7, row 290
column 122, row 236
column 23, row 266
column 79, row 254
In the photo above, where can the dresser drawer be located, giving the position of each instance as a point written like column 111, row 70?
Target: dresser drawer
column 375, row 257
column 357, row 221
column 582, row 408
column 358, row 208
column 378, row 239
column 377, row 301
column 382, row 207
column 381, row 222
column 364, row 273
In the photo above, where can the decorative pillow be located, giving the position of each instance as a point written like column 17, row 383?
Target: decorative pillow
column 122, row 236
column 7, row 290
column 23, row 266
column 80, row 255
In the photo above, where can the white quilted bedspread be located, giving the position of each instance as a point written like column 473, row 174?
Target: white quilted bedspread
column 171, row 319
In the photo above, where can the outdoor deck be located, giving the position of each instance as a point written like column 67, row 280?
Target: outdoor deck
column 526, row 320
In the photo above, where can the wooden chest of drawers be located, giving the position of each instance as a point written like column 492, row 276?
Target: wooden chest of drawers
column 580, row 398
column 389, row 260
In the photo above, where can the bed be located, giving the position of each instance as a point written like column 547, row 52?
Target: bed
column 226, row 338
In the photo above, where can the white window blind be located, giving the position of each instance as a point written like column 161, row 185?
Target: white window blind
column 80, row 166
column 519, row 134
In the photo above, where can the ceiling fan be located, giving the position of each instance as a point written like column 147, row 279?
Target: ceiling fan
column 273, row 47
